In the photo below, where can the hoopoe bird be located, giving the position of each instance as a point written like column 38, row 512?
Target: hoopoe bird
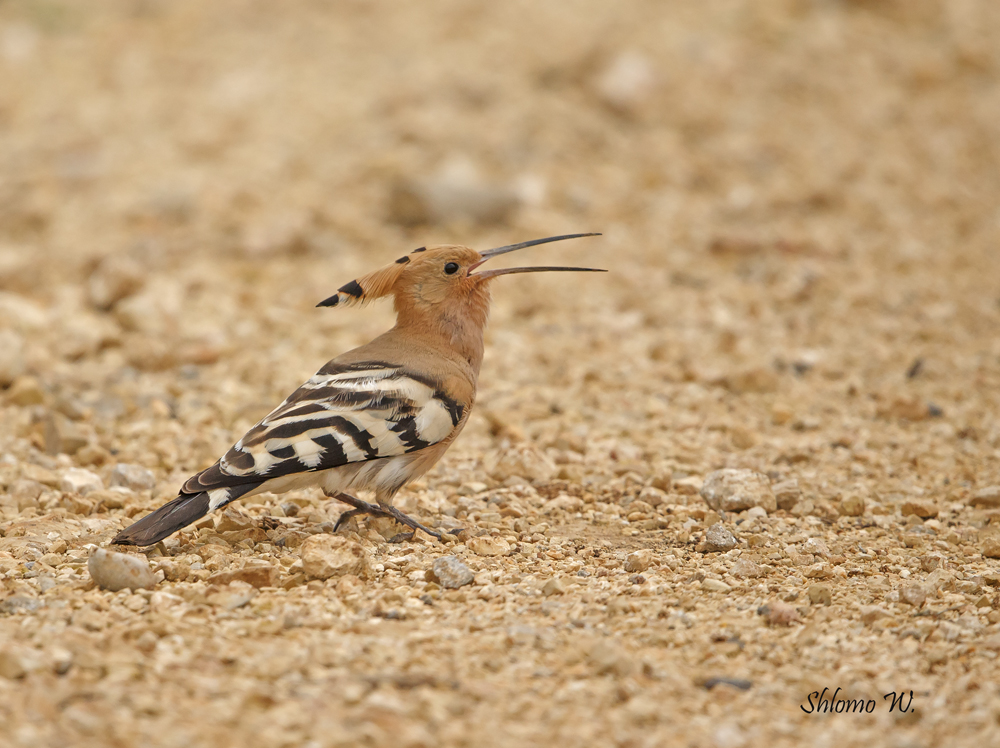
column 374, row 418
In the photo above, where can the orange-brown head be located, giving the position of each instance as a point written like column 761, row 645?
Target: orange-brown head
column 436, row 279
column 441, row 303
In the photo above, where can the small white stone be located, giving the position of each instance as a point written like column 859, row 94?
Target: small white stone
column 714, row 585
column 488, row 546
column 746, row 567
column 734, row 489
column 638, row 561
column 135, row 477
column 719, row 538
column 80, row 481
column 652, row 496
column 118, row 571
column 450, row 573
column 325, row 556
column 232, row 596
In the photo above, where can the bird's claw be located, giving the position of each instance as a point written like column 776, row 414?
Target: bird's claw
column 363, row 507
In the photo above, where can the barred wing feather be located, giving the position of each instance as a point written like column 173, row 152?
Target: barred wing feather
column 344, row 414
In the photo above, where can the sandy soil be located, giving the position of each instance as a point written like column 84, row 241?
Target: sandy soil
column 799, row 206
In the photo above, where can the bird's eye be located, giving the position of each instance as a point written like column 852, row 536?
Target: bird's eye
column 451, row 268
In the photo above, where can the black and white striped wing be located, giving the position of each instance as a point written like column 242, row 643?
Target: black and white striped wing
column 345, row 413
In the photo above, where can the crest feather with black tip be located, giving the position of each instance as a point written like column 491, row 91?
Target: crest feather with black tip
column 369, row 287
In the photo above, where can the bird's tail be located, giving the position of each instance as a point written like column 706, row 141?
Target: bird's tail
column 165, row 521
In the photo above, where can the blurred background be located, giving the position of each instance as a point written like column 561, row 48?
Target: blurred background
column 800, row 207
column 784, row 187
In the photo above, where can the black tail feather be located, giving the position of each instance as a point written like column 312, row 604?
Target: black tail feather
column 165, row 521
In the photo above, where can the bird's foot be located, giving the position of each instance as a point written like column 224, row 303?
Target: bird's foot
column 363, row 507
column 408, row 522
column 360, row 507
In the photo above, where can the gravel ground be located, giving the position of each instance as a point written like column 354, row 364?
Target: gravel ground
column 799, row 206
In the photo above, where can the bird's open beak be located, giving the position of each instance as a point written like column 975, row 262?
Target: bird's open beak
column 513, row 247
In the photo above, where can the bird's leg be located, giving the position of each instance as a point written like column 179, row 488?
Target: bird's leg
column 407, row 521
column 360, row 507
column 379, row 510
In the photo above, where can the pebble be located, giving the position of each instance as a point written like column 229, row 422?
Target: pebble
column 715, row 585
column 626, row 83
column 112, row 498
column 232, row 596
column 729, row 736
column 852, row 506
column 471, row 488
column 904, row 408
column 820, row 594
column 20, row 604
column 743, row 438
column 740, row 683
column 922, row 509
column 735, row 489
column 25, row 391
column 653, row 496
column 450, row 572
column 872, row 613
column 939, row 579
column 456, row 192
column 913, row 594
column 787, row 493
column 114, row 278
column 12, row 361
column 638, row 561
column 118, row 571
column 62, row 435
column 817, row 547
column 988, row 497
column 13, row 664
column 608, row 658
column 760, row 379
column 152, row 313
column 325, row 556
column 486, row 545
column 25, row 492
column 746, row 568
column 689, row 486
column 521, row 461
column 233, row 520
column 780, row 614
column 554, row 586
column 134, row 477
column 989, row 543
column 931, row 561
column 719, row 538
column 256, row 576
column 80, row 481
column 563, row 502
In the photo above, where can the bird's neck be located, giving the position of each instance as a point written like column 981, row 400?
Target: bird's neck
column 454, row 324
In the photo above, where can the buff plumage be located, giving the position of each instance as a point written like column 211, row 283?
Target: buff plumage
column 374, row 418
